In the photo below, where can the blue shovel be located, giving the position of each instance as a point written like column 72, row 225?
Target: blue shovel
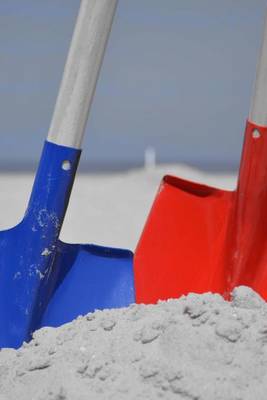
column 43, row 281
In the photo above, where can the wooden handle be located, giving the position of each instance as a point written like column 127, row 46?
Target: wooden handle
column 81, row 72
column 258, row 110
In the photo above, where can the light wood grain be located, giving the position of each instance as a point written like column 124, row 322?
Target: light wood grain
column 81, row 72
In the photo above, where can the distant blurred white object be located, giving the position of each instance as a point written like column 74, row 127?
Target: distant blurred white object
column 150, row 158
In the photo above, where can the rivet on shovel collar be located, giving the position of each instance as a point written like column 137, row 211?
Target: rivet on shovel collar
column 256, row 134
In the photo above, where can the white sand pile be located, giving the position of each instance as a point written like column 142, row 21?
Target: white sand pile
column 198, row 347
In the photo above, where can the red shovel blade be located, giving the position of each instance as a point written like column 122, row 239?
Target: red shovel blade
column 179, row 250
column 198, row 238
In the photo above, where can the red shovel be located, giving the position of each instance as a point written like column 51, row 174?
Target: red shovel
column 198, row 238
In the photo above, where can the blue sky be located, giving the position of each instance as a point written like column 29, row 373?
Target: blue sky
column 177, row 75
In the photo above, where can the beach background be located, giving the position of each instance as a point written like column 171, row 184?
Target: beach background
column 105, row 209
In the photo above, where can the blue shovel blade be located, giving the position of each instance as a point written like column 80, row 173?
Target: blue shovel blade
column 45, row 282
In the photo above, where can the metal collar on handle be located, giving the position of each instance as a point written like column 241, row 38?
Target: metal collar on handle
column 81, row 72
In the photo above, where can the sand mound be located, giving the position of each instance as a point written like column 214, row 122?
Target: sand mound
column 198, row 347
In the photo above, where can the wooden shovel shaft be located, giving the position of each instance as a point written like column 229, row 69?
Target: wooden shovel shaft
column 81, row 72
column 258, row 110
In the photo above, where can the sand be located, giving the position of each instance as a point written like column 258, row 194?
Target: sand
column 198, row 347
